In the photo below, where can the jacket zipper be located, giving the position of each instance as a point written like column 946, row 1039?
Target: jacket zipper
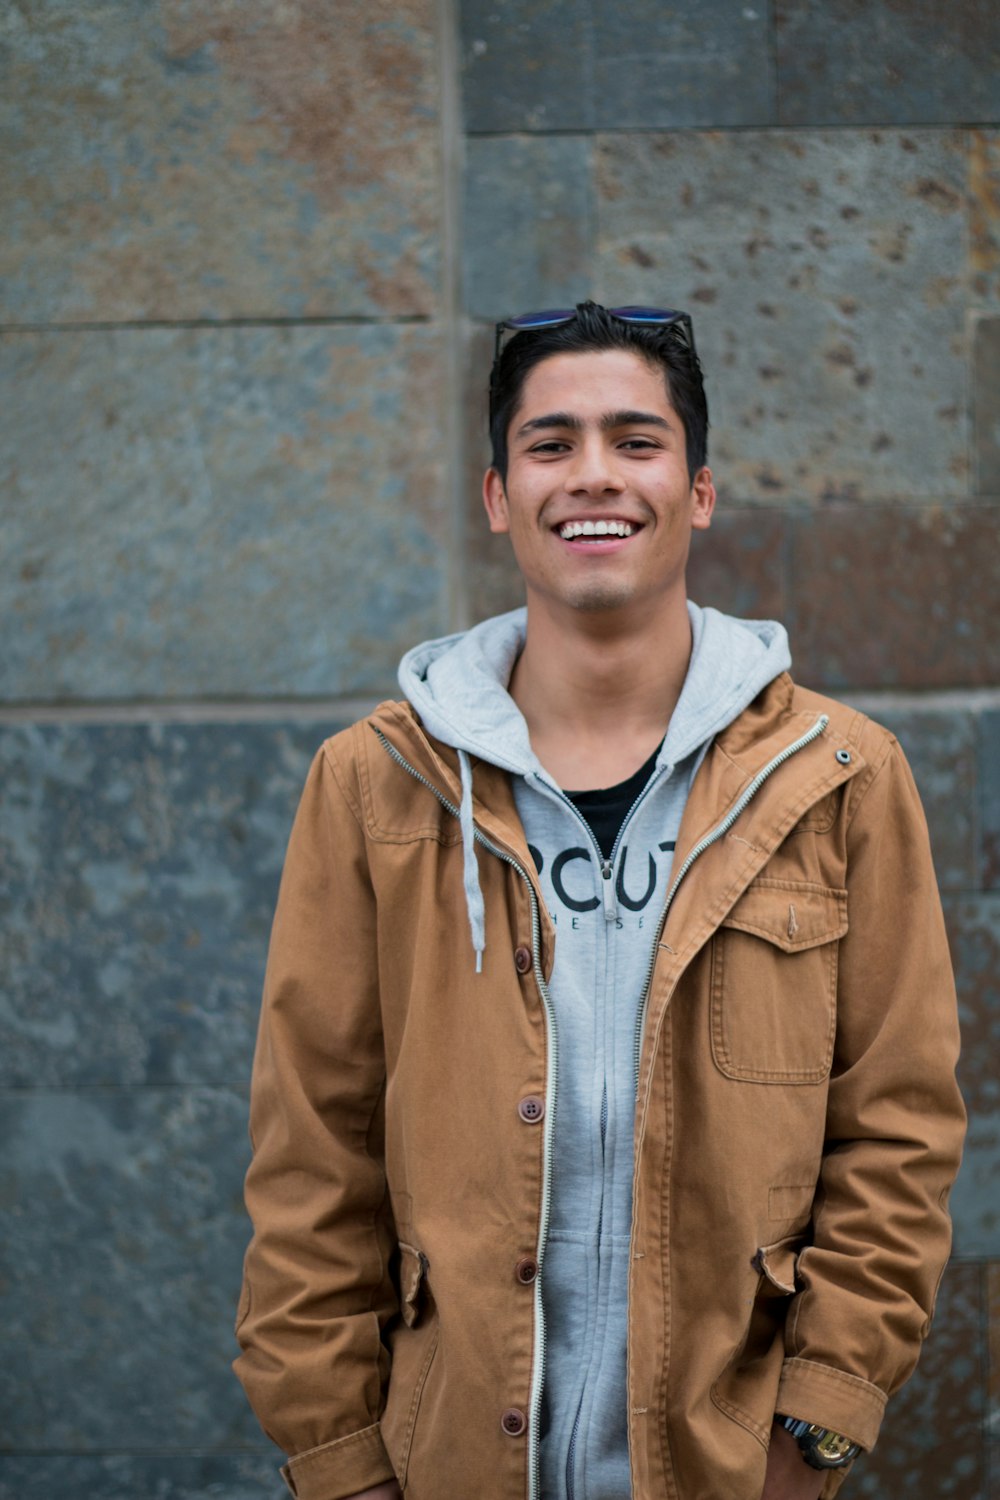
column 538, row 1351
column 718, row 832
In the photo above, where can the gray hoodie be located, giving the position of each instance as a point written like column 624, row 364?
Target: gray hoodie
column 606, row 914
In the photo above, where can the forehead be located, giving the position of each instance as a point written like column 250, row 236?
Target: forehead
column 588, row 384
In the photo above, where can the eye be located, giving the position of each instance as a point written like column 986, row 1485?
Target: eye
column 638, row 444
column 550, row 447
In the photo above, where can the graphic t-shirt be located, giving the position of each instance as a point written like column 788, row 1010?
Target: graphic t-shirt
column 606, row 808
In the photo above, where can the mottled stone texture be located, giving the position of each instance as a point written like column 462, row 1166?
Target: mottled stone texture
column 518, row 260
column 195, row 160
column 986, row 408
column 974, row 934
column 139, row 868
column 580, row 65
column 882, row 62
column 152, row 1477
column 241, row 512
column 824, row 273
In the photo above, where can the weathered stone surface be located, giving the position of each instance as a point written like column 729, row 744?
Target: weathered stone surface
column 974, row 934
column 196, row 160
column 576, row 66
column 129, row 1476
column 738, row 564
column 885, row 62
column 941, row 749
column 528, row 224
column 895, row 596
column 931, row 1442
column 993, row 1381
column 120, row 1270
column 240, row 512
column 986, row 405
column 984, row 216
column 989, row 793
column 139, row 869
column 826, row 274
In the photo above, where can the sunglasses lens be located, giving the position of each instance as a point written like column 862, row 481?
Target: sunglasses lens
column 645, row 314
column 546, row 319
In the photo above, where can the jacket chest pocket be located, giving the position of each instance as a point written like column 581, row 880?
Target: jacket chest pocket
column 774, row 982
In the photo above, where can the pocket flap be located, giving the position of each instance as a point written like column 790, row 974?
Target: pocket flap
column 413, row 1266
column 777, row 1263
column 791, row 914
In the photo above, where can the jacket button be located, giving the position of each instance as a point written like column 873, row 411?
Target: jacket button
column 513, row 1422
column 531, row 1109
column 522, row 960
column 526, row 1270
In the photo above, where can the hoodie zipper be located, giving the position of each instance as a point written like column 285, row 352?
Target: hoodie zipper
column 538, row 1351
column 718, row 832
column 606, row 866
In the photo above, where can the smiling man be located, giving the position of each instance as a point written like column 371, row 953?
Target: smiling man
column 604, row 1108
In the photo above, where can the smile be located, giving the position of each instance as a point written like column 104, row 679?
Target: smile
column 571, row 530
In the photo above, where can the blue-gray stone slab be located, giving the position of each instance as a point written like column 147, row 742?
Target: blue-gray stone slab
column 529, row 217
column 986, row 404
column 887, row 62
column 578, row 65
column 974, row 932
column 139, row 868
column 826, row 272
column 192, row 161
column 989, row 791
column 238, row 512
column 941, row 748
column 120, row 1270
column 124, row 1476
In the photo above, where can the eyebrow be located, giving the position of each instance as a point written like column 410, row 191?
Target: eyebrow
column 609, row 421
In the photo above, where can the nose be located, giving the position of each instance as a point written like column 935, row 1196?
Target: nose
column 593, row 471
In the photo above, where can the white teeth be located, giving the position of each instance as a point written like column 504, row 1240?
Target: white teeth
column 570, row 530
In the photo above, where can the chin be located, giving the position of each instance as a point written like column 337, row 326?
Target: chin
column 595, row 597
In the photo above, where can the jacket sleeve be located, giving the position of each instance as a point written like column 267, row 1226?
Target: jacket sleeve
column 894, row 1128
column 317, row 1290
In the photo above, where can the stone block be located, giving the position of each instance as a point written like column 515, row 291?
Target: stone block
column 895, row 597
column 989, row 792
column 238, row 512
column 527, row 65
column 886, row 62
column 931, row 1441
column 120, row 1269
column 528, row 224
column 984, row 216
column 993, row 1381
column 139, row 868
column 826, row 272
column 738, row 564
column 125, row 1476
column 986, row 404
column 192, row 160
column 941, row 749
column 564, row 66
column 974, row 933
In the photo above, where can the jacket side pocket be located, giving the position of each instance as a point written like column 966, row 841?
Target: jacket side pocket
column 412, row 1344
column 747, row 1387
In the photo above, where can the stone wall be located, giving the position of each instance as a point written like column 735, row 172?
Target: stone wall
column 249, row 254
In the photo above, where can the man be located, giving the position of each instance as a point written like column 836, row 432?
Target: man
column 604, row 1105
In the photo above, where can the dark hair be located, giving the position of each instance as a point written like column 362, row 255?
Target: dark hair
column 594, row 328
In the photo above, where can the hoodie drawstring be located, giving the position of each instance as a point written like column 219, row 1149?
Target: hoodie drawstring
column 474, row 903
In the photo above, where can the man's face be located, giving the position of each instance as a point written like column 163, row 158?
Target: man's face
column 598, row 502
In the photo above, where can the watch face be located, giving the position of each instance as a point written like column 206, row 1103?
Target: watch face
column 832, row 1449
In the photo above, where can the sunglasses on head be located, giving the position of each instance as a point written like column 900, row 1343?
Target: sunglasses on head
column 651, row 317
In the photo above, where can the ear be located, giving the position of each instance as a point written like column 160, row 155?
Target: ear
column 702, row 500
column 495, row 501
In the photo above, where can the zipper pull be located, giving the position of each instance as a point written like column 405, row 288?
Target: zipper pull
column 610, row 904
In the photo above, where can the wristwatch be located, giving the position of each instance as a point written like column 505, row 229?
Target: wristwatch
column 821, row 1448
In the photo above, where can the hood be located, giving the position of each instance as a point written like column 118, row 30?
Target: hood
column 458, row 686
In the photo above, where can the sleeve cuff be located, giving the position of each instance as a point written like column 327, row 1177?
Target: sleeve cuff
column 831, row 1398
column 341, row 1468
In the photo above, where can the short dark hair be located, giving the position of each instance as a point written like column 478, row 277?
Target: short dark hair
column 594, row 328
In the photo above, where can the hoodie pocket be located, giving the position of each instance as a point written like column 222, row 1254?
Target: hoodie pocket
column 747, row 1388
column 774, row 982
column 412, row 1344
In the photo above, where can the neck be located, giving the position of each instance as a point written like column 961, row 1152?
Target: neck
column 597, row 691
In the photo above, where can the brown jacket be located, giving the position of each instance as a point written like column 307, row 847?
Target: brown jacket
column 798, row 1124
